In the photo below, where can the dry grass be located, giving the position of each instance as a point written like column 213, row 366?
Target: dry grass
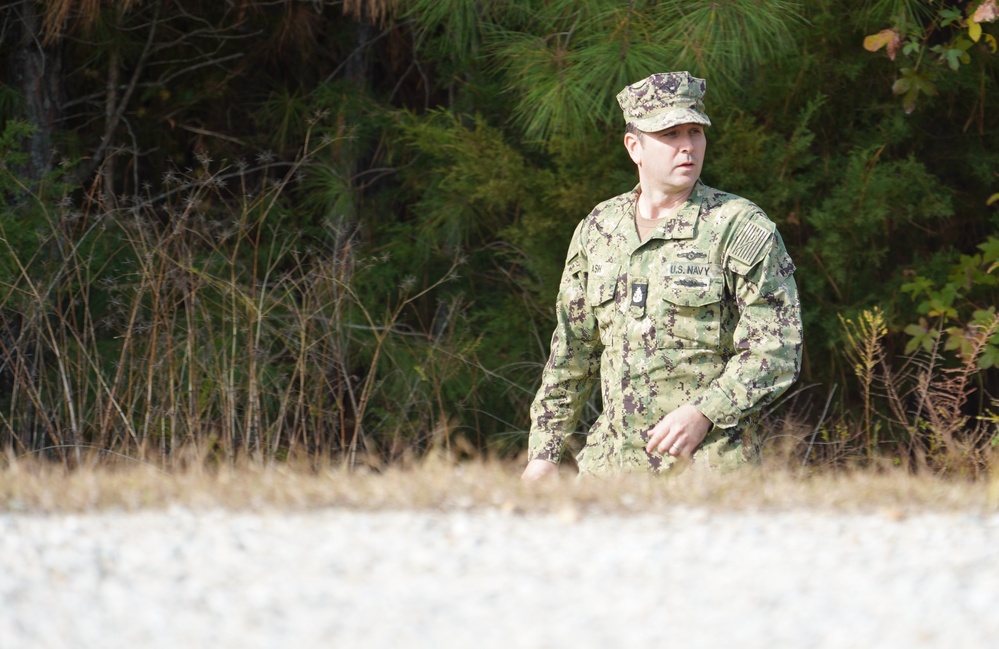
column 40, row 488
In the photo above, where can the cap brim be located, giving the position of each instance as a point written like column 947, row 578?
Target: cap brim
column 671, row 118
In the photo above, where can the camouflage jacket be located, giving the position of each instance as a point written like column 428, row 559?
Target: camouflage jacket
column 705, row 312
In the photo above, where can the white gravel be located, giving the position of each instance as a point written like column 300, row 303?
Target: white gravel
column 339, row 578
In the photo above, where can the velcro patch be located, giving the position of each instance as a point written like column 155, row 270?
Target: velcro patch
column 749, row 243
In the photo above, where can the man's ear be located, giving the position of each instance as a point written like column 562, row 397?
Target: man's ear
column 634, row 146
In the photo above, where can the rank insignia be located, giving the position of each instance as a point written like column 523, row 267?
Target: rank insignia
column 638, row 294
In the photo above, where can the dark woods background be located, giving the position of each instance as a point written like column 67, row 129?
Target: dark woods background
column 334, row 230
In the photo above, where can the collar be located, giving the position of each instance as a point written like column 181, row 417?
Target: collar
column 679, row 226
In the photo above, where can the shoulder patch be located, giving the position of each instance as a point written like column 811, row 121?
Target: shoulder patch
column 749, row 243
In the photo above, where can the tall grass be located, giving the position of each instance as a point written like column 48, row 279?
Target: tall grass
column 913, row 414
column 194, row 326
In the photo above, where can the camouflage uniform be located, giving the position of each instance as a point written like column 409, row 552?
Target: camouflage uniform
column 704, row 312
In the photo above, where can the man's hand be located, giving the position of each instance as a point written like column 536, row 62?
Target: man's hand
column 679, row 433
column 539, row 470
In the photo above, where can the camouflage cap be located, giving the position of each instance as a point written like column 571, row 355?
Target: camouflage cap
column 664, row 100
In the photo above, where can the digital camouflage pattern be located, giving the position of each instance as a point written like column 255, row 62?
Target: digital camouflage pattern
column 705, row 312
column 664, row 100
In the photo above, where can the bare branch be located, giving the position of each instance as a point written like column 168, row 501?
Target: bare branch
column 119, row 110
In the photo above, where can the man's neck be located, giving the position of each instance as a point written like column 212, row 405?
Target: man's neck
column 658, row 204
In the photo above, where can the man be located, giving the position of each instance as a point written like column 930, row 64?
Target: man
column 679, row 296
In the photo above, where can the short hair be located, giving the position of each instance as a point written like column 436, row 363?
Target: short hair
column 631, row 128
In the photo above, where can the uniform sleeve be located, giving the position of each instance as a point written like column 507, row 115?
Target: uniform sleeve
column 768, row 336
column 573, row 364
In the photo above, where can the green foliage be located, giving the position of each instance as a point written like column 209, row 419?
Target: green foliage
column 452, row 29
column 25, row 204
column 11, row 155
column 468, row 182
column 770, row 164
column 958, row 309
column 877, row 203
column 937, row 31
column 568, row 62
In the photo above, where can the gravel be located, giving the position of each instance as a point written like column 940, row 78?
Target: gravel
column 683, row 577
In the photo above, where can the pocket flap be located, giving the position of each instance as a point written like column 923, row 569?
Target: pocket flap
column 600, row 287
column 600, row 290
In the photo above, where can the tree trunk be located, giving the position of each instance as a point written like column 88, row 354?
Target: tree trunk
column 35, row 71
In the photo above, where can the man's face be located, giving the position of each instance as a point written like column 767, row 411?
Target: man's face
column 669, row 161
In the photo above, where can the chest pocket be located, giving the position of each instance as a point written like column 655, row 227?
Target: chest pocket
column 692, row 311
column 601, row 288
